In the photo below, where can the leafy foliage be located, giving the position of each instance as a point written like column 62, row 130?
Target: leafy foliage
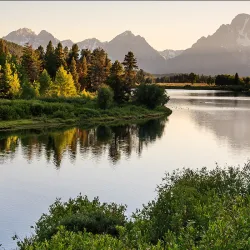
column 150, row 95
column 105, row 97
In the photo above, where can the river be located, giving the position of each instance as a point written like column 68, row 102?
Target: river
column 121, row 164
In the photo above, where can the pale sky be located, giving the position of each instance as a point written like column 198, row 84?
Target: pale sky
column 165, row 25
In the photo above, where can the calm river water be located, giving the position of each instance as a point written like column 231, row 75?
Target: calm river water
column 120, row 164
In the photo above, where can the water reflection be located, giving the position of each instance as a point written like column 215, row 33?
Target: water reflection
column 56, row 144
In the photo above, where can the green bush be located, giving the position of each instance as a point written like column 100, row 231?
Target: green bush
column 80, row 214
column 194, row 209
column 150, row 95
column 105, row 97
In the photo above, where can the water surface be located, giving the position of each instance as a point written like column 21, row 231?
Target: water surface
column 120, row 164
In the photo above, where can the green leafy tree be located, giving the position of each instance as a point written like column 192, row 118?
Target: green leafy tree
column 140, row 76
column 50, row 60
column 63, row 84
column 30, row 63
column 29, row 90
column 9, row 83
column 73, row 71
column 105, row 97
column 45, row 82
column 150, row 95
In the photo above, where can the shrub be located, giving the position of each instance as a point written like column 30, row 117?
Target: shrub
column 80, row 214
column 105, row 97
column 150, row 95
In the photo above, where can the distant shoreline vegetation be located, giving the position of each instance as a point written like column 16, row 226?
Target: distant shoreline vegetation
column 62, row 85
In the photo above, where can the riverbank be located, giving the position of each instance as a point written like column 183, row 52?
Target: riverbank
column 204, row 86
column 28, row 114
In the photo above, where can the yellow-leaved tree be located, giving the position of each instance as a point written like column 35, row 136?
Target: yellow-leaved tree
column 10, row 84
column 63, row 84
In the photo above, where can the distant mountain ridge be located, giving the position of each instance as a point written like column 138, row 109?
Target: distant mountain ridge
column 225, row 52
column 148, row 58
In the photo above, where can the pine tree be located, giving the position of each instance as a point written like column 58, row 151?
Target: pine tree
column 116, row 81
column 3, row 52
column 236, row 79
column 130, row 66
column 41, row 54
column 60, row 57
column 83, row 73
column 97, row 71
column 66, row 53
column 73, row 71
column 50, row 60
column 74, row 53
column 87, row 54
column 45, row 83
column 30, row 63
column 63, row 85
column 9, row 84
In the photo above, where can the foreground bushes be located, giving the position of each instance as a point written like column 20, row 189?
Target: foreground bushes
column 194, row 209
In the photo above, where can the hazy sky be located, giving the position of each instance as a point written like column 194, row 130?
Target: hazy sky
column 165, row 25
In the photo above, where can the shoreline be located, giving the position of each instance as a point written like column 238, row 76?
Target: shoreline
column 187, row 86
column 39, row 123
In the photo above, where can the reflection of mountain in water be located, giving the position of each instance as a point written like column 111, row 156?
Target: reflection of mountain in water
column 226, row 114
column 115, row 140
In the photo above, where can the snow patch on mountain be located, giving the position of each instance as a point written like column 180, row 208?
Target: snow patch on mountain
column 169, row 53
column 243, row 39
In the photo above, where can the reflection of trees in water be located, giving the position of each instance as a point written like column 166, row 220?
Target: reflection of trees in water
column 115, row 141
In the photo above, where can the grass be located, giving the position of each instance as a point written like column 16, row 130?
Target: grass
column 24, row 114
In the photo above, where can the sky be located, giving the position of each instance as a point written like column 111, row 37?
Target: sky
column 164, row 24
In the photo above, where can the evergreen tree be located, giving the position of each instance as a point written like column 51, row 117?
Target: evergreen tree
column 9, row 84
column 236, row 79
column 66, row 53
column 83, row 73
column 116, row 81
column 192, row 77
column 63, row 85
column 50, row 60
column 30, row 63
column 97, row 70
column 45, row 83
column 130, row 66
column 73, row 71
column 87, row 54
column 74, row 53
column 3, row 52
column 41, row 54
column 60, row 57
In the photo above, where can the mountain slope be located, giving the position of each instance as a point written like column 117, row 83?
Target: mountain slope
column 169, row 53
column 225, row 52
column 147, row 57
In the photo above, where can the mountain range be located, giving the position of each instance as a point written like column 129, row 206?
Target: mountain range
column 225, row 52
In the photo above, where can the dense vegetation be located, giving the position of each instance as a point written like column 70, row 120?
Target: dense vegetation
column 194, row 209
column 69, row 84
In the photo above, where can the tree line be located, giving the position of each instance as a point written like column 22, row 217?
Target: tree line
column 222, row 79
column 59, row 71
